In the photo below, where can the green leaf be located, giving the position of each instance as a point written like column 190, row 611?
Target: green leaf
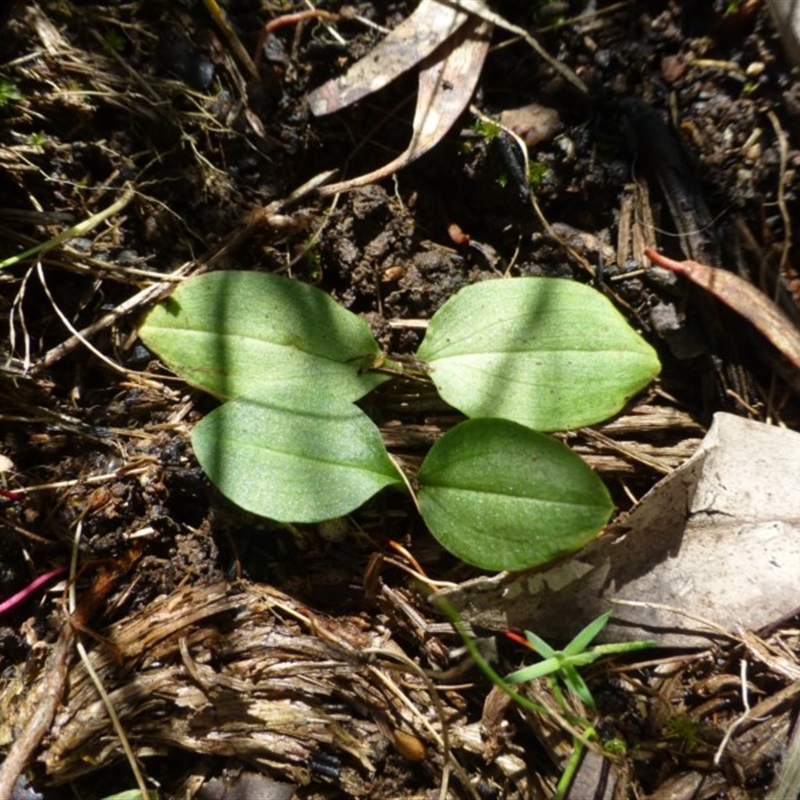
column 576, row 684
column 305, row 463
column 503, row 497
column 252, row 334
column 540, row 645
column 584, row 637
column 547, row 353
column 584, row 658
column 622, row 647
column 533, row 671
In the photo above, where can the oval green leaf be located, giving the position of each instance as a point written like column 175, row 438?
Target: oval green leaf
column 548, row 353
column 314, row 461
column 502, row 497
column 252, row 334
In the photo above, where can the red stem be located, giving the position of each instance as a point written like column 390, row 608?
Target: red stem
column 30, row 589
column 663, row 261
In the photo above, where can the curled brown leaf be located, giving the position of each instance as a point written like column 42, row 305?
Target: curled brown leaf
column 745, row 299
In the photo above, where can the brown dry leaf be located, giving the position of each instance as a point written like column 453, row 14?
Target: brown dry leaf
column 450, row 47
column 744, row 298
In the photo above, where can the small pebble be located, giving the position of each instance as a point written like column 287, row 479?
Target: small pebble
column 755, row 69
column 533, row 123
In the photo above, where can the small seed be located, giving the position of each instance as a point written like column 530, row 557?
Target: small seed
column 409, row 746
column 391, row 274
column 457, row 236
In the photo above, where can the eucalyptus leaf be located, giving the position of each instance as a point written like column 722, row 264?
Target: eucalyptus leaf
column 252, row 334
column 503, row 497
column 310, row 462
column 548, row 353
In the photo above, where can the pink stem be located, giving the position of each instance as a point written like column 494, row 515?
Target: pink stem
column 30, row 589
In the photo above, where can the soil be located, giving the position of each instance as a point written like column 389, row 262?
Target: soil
column 194, row 611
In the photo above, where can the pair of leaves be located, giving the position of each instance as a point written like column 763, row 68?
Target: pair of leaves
column 516, row 354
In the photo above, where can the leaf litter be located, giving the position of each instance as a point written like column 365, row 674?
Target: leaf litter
column 450, row 47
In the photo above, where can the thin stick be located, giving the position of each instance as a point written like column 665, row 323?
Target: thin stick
column 69, row 326
column 783, row 149
column 149, row 294
column 80, row 229
column 95, row 678
column 37, row 725
column 479, row 9
column 739, row 720
column 218, row 15
column 156, row 292
column 290, row 19
column 51, row 689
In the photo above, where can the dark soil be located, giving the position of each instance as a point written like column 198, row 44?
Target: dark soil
column 97, row 98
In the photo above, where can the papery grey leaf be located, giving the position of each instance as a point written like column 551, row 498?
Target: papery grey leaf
column 407, row 45
column 446, row 83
